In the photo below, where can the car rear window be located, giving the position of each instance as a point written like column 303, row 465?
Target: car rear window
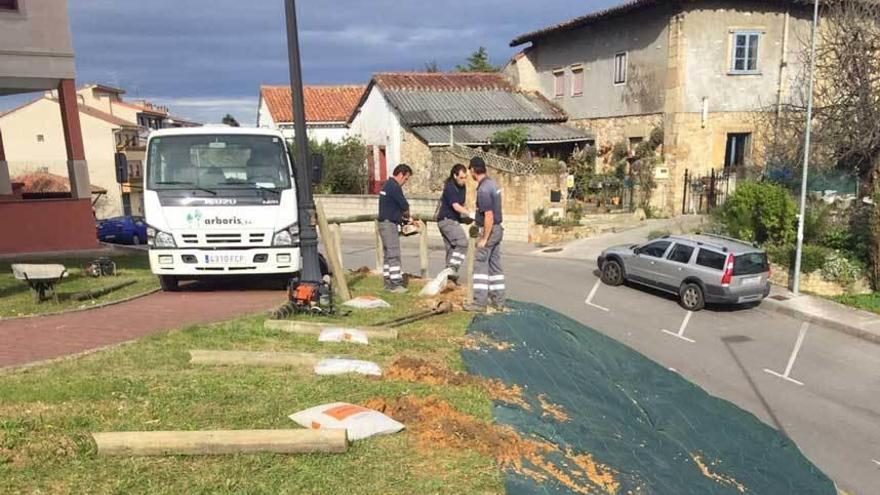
column 711, row 259
column 749, row 264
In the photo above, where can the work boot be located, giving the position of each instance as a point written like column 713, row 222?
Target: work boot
column 499, row 308
column 474, row 308
column 398, row 290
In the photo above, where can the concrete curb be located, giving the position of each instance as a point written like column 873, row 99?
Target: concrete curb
column 78, row 310
column 780, row 307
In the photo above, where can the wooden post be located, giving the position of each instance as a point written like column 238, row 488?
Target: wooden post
column 339, row 281
column 469, row 271
column 337, row 242
column 248, row 358
column 379, row 248
column 423, row 250
column 298, row 441
column 315, row 328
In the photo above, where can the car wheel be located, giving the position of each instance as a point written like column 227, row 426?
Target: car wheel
column 169, row 283
column 612, row 273
column 135, row 240
column 691, row 297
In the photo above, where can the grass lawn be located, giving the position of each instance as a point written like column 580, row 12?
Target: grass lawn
column 868, row 302
column 46, row 414
column 16, row 298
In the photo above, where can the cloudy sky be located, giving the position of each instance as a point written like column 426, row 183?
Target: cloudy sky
column 204, row 58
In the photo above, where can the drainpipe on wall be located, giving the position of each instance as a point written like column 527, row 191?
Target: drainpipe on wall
column 782, row 65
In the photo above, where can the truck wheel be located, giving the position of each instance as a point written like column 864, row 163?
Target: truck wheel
column 691, row 297
column 169, row 283
column 612, row 273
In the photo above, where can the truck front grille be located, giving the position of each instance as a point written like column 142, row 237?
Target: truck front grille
column 223, row 239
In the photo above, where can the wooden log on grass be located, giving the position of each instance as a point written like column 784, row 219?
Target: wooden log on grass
column 215, row 442
column 315, row 328
column 251, row 358
column 337, row 241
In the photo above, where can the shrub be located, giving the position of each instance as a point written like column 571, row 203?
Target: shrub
column 813, row 257
column 344, row 171
column 512, row 140
column 760, row 212
column 543, row 218
column 656, row 234
column 840, row 269
column 816, row 222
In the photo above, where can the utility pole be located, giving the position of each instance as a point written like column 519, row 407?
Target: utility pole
column 796, row 285
column 311, row 269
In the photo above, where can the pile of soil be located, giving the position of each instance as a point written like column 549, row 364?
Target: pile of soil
column 415, row 370
column 436, row 424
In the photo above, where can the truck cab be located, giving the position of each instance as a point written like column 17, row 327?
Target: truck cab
column 220, row 201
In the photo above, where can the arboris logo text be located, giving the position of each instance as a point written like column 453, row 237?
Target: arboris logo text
column 226, row 221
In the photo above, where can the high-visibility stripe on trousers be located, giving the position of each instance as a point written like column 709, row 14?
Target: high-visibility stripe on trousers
column 488, row 276
column 392, row 273
column 455, row 241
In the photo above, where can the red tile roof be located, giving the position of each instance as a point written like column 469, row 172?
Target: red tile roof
column 44, row 182
column 323, row 103
column 442, row 81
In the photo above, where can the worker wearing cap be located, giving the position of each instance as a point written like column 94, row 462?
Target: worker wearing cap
column 393, row 211
column 450, row 215
column 488, row 282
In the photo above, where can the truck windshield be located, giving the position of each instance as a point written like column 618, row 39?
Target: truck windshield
column 216, row 162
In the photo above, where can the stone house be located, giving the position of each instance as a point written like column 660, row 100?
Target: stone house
column 328, row 110
column 702, row 70
column 402, row 117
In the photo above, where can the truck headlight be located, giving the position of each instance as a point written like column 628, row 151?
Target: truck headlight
column 158, row 239
column 288, row 236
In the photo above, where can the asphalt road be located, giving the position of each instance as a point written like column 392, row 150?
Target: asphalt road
column 834, row 416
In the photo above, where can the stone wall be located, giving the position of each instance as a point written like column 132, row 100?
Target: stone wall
column 346, row 205
column 415, row 153
column 612, row 130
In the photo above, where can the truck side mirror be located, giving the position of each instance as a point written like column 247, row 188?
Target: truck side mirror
column 317, row 163
column 121, row 168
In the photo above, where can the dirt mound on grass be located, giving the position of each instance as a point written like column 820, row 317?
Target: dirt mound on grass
column 415, row 370
column 436, row 424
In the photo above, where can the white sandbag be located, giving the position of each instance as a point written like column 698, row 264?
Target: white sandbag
column 437, row 284
column 336, row 334
column 366, row 302
column 334, row 366
column 360, row 422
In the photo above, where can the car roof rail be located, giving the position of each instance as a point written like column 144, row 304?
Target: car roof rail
column 728, row 238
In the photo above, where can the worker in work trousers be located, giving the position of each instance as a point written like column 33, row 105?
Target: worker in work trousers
column 450, row 215
column 488, row 276
column 393, row 212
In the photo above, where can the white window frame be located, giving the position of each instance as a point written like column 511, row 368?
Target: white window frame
column 558, row 75
column 577, row 71
column 624, row 56
column 747, row 33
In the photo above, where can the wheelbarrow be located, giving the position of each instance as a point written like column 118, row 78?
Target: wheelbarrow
column 42, row 279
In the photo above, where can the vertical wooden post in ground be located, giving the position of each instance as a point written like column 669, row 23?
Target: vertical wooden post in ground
column 378, row 248
column 333, row 257
column 337, row 241
column 423, row 249
column 469, row 271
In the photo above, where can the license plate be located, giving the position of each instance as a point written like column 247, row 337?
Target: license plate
column 751, row 281
column 224, row 259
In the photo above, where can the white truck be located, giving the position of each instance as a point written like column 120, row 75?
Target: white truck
column 220, row 201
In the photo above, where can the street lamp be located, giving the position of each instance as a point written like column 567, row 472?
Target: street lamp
column 800, row 233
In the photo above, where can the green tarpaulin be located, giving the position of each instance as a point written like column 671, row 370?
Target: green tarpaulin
column 623, row 423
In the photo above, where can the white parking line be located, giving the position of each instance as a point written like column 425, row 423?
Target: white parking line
column 589, row 300
column 684, row 324
column 797, row 347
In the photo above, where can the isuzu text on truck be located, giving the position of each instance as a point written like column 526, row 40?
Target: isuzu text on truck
column 220, row 201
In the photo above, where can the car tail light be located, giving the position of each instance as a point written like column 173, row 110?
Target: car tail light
column 728, row 271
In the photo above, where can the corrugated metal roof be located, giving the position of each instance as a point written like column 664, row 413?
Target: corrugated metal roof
column 478, row 134
column 467, row 107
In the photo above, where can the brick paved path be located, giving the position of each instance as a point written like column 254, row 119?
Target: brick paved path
column 35, row 339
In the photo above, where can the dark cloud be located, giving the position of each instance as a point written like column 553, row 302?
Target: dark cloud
column 204, row 56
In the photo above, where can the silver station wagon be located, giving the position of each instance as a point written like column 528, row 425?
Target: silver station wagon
column 699, row 269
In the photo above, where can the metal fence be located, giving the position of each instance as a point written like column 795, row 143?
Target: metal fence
column 702, row 194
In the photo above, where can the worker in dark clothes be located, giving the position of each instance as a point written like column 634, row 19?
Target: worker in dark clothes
column 450, row 216
column 489, row 286
column 393, row 212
